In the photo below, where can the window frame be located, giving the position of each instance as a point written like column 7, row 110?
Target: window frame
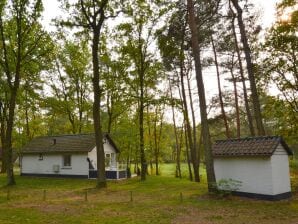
column 67, row 156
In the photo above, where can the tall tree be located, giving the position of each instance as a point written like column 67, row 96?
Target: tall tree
column 177, row 144
column 22, row 48
column 220, row 91
column 250, row 69
column 175, row 49
column 243, row 79
column 280, row 66
column 139, row 37
column 90, row 16
column 202, row 98
column 71, row 85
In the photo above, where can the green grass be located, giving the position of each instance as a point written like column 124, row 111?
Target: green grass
column 157, row 200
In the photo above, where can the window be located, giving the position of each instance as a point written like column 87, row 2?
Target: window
column 108, row 160
column 113, row 157
column 67, row 160
column 40, row 157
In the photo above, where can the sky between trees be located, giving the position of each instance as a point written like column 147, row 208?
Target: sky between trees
column 267, row 18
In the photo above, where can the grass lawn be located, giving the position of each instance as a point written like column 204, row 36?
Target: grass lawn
column 156, row 200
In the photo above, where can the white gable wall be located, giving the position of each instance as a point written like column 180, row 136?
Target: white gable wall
column 32, row 165
column 280, row 171
column 93, row 157
column 254, row 173
column 108, row 148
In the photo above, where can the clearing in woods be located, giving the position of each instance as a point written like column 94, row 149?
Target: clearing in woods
column 160, row 199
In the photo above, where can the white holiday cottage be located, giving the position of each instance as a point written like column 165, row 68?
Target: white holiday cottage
column 259, row 164
column 69, row 156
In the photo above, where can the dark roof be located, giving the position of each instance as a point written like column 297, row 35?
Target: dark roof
column 252, row 146
column 64, row 143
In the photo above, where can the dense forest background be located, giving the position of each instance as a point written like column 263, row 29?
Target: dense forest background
column 147, row 78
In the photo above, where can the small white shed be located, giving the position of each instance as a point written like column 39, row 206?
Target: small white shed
column 69, row 156
column 259, row 164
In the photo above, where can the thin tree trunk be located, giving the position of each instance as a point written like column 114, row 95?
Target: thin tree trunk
column 251, row 75
column 194, row 129
column 178, row 168
column 228, row 135
column 26, row 113
column 188, row 129
column 141, row 128
column 236, row 98
column 158, row 144
column 155, row 141
column 149, row 139
column 248, row 113
column 110, row 113
column 187, row 156
column 201, row 90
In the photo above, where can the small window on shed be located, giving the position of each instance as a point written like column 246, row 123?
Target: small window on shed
column 67, row 160
column 40, row 157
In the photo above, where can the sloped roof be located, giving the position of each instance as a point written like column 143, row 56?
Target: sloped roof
column 64, row 143
column 252, row 146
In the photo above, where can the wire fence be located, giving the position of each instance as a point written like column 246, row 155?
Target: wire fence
column 88, row 195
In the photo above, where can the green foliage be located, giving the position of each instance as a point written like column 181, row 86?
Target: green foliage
column 279, row 68
column 278, row 117
column 69, row 81
column 280, row 65
column 226, row 186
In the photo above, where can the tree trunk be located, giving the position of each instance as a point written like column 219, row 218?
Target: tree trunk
column 178, row 168
column 228, row 135
column 251, row 75
column 236, row 99
column 101, row 178
column 141, row 128
column 2, row 135
column 110, row 113
column 187, row 156
column 193, row 153
column 156, row 154
column 194, row 129
column 149, row 139
column 202, row 99
column 28, row 135
column 7, row 147
column 248, row 113
column 158, row 143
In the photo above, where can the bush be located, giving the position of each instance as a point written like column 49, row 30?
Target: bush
column 226, row 186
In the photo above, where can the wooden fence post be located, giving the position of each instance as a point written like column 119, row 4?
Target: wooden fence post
column 44, row 195
column 131, row 199
column 86, row 195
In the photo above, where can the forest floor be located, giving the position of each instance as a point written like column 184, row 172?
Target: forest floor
column 160, row 199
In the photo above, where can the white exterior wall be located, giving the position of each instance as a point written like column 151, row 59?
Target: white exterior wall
column 93, row 157
column 79, row 164
column 280, row 171
column 108, row 149
column 32, row 165
column 254, row 173
column 267, row 175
